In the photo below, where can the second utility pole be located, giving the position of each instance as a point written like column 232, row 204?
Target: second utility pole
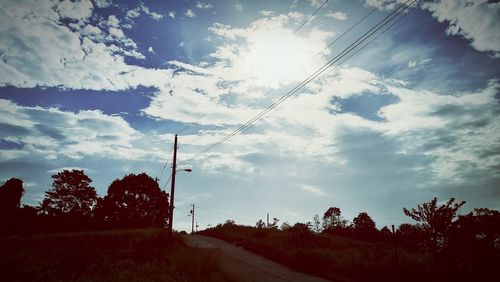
column 172, row 190
column 192, row 220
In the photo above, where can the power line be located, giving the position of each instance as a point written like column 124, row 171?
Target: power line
column 230, row 92
column 317, row 54
column 310, row 17
column 164, row 166
column 306, row 81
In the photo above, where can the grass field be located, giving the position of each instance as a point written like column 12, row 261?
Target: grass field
column 331, row 257
column 122, row 255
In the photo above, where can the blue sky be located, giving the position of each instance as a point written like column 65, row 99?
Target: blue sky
column 104, row 86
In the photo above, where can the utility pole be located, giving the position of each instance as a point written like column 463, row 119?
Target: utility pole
column 192, row 219
column 267, row 222
column 172, row 190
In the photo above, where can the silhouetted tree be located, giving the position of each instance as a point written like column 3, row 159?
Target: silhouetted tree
column 333, row 221
column 10, row 196
column 385, row 233
column 300, row 234
column 363, row 222
column 285, row 226
column 410, row 236
column 134, row 201
column 274, row 224
column 10, row 201
column 364, row 226
column 478, row 230
column 316, row 223
column 435, row 221
column 260, row 224
column 71, row 195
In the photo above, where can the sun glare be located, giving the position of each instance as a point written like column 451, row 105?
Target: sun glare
column 279, row 57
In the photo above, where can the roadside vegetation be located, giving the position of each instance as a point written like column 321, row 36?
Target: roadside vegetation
column 115, row 255
column 75, row 235
column 441, row 246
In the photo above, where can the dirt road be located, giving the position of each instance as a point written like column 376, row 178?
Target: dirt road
column 245, row 266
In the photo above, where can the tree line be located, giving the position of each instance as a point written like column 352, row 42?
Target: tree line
column 470, row 242
column 135, row 201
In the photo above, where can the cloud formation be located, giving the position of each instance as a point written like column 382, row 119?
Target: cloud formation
column 477, row 21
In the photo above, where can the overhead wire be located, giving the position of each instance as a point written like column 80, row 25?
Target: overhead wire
column 185, row 127
column 310, row 78
column 310, row 17
column 317, row 54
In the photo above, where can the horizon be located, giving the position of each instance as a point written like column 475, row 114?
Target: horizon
column 104, row 86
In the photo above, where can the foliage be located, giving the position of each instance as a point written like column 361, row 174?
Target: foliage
column 364, row 227
column 133, row 202
column 435, row 221
column 10, row 196
column 116, row 255
column 333, row 222
column 316, row 223
column 71, row 195
column 332, row 257
column 260, row 224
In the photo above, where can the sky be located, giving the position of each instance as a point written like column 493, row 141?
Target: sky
column 410, row 114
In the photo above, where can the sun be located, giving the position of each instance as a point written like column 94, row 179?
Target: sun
column 278, row 57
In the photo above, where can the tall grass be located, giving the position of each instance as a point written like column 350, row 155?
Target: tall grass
column 121, row 255
column 331, row 257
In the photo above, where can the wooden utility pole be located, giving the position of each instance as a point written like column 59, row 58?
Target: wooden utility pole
column 267, row 222
column 192, row 219
column 172, row 190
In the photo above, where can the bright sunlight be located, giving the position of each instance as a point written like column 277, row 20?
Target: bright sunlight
column 278, row 57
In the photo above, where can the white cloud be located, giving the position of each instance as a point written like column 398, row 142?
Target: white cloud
column 385, row 4
column 476, row 21
column 204, row 6
column 151, row 50
column 42, row 51
column 103, row 3
column 313, row 190
column 316, row 3
column 412, row 64
column 52, row 133
column 189, row 13
column 340, row 16
column 113, row 21
column 134, row 13
column 238, row 7
column 79, row 10
column 171, row 14
column 153, row 15
column 266, row 13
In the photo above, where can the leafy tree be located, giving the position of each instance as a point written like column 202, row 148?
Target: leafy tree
column 363, row 222
column 260, row 224
column 385, row 232
column 10, row 201
column 285, row 226
column 316, row 223
column 364, row 226
column 134, row 201
column 411, row 236
column 10, row 196
column 332, row 220
column 71, row 195
column 479, row 229
column 435, row 220
column 274, row 224
column 475, row 243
